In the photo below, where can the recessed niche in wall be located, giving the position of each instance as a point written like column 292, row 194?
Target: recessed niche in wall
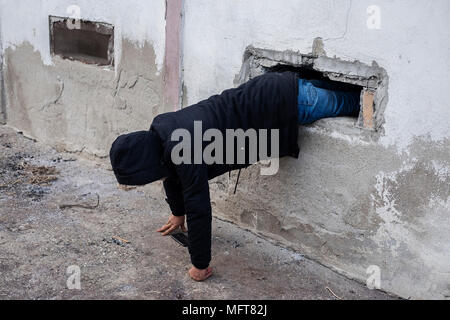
column 370, row 81
column 86, row 41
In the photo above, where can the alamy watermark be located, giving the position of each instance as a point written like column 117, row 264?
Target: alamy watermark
column 74, row 280
column 374, row 19
column 74, row 13
column 374, row 279
column 189, row 150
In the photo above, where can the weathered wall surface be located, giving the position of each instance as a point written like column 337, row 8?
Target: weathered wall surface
column 351, row 200
column 77, row 106
column 2, row 84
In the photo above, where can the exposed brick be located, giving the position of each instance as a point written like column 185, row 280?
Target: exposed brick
column 368, row 109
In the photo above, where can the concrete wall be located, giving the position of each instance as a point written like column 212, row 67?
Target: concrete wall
column 352, row 200
column 77, row 106
column 2, row 84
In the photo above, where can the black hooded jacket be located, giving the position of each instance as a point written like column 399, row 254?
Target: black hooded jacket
column 265, row 102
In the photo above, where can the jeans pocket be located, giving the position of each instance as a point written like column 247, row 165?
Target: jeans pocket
column 311, row 94
column 308, row 93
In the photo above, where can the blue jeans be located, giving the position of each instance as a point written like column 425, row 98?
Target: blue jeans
column 318, row 99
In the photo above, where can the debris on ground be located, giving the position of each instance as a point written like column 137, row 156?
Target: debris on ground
column 24, row 172
column 331, row 291
column 116, row 240
column 120, row 240
column 39, row 241
column 81, row 205
column 126, row 188
column 41, row 175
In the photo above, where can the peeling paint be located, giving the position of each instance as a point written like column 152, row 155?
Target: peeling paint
column 141, row 22
column 351, row 203
column 87, row 105
column 257, row 61
column 2, row 83
column 352, row 139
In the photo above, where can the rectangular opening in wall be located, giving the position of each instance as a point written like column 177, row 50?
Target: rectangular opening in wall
column 370, row 82
column 319, row 80
column 86, row 41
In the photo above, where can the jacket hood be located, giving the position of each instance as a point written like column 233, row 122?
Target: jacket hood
column 137, row 158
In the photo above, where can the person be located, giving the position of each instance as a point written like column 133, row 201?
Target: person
column 273, row 101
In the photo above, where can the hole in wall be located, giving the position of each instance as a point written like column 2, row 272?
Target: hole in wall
column 86, row 41
column 370, row 80
column 325, row 83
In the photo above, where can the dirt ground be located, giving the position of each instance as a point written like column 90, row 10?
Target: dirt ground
column 42, row 234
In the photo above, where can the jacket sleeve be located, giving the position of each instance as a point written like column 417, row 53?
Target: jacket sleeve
column 174, row 196
column 194, row 180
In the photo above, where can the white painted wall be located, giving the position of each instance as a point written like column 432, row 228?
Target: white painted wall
column 136, row 20
column 94, row 104
column 380, row 179
column 412, row 45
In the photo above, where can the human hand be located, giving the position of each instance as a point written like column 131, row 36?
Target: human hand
column 200, row 275
column 173, row 224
